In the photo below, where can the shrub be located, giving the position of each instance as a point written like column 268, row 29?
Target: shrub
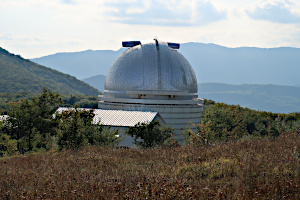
column 71, row 131
column 8, row 146
column 150, row 135
column 102, row 135
column 76, row 130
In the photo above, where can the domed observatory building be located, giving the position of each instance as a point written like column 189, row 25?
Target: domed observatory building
column 153, row 77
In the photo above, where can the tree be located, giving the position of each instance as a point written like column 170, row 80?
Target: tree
column 8, row 146
column 20, row 124
column 31, row 123
column 71, row 130
column 76, row 130
column 101, row 135
column 150, row 135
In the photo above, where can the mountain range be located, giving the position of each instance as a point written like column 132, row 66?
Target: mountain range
column 84, row 64
column 211, row 63
column 21, row 75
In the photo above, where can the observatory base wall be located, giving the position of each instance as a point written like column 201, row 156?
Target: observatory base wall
column 175, row 115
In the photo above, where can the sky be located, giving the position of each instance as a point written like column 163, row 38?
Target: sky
column 35, row 28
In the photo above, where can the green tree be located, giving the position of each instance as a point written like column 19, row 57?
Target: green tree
column 31, row 122
column 101, row 135
column 76, row 130
column 150, row 135
column 225, row 122
column 8, row 146
column 20, row 125
column 71, row 130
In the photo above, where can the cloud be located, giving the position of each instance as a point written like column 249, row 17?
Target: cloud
column 6, row 36
column 206, row 13
column 165, row 13
column 21, row 38
column 279, row 11
column 68, row 2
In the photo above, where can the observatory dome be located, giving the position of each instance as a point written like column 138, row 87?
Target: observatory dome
column 151, row 70
column 154, row 77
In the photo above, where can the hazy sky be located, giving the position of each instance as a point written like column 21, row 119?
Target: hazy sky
column 34, row 28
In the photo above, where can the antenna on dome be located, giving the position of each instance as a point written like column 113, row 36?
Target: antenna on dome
column 130, row 43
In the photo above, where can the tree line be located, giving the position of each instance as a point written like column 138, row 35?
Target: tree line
column 223, row 122
column 33, row 126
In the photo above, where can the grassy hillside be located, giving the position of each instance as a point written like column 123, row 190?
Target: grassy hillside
column 250, row 169
column 21, row 75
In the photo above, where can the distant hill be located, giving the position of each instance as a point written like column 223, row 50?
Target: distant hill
column 21, row 75
column 97, row 81
column 273, row 98
column 81, row 64
column 211, row 63
column 244, row 65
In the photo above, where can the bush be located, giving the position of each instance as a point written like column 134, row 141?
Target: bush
column 150, row 135
column 8, row 146
column 102, row 135
column 71, row 131
column 76, row 130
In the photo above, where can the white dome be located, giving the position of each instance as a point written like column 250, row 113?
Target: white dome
column 151, row 69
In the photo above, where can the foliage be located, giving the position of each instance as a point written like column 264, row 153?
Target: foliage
column 32, row 126
column 150, row 135
column 101, row 135
column 222, row 122
column 8, row 146
column 202, row 137
column 76, row 130
column 79, row 100
column 71, row 131
column 31, row 123
column 263, row 168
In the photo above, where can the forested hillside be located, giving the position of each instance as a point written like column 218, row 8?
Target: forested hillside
column 21, row 75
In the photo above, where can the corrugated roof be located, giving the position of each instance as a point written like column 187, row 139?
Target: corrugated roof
column 118, row 117
column 61, row 109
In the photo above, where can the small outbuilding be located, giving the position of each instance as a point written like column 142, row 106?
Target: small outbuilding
column 120, row 119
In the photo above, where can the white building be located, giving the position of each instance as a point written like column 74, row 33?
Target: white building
column 154, row 77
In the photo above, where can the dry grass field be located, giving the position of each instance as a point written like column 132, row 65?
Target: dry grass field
column 264, row 168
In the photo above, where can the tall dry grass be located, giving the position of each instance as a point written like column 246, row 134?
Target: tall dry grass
column 250, row 169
